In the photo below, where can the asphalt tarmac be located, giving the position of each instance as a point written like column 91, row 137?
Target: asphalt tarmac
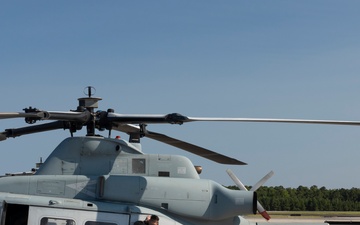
column 308, row 220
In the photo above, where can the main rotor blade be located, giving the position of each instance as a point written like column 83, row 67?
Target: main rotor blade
column 206, row 153
column 173, row 118
column 269, row 120
column 68, row 116
column 176, row 118
column 33, row 129
column 49, row 115
column 9, row 115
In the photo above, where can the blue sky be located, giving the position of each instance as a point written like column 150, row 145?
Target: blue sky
column 267, row 59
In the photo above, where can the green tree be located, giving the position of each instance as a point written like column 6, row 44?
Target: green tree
column 308, row 199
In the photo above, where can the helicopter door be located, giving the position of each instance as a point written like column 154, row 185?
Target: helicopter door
column 14, row 214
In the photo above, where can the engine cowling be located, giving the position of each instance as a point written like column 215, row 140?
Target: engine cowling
column 196, row 198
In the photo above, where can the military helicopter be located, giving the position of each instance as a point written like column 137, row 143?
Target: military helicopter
column 96, row 180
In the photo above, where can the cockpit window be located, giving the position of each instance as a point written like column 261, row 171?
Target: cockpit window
column 56, row 221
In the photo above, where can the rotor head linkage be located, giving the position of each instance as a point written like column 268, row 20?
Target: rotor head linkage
column 176, row 118
column 40, row 115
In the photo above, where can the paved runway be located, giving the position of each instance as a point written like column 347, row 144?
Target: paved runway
column 301, row 219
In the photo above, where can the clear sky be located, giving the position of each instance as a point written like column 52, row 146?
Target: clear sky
column 266, row 59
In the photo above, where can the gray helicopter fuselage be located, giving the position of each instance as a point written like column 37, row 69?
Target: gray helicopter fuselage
column 104, row 170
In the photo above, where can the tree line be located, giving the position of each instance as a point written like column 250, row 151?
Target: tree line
column 308, row 199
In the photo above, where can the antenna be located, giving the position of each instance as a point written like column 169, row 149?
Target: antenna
column 90, row 103
column 89, row 90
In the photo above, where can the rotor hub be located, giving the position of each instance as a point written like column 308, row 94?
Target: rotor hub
column 89, row 103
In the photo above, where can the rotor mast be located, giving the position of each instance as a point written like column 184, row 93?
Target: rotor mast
column 89, row 103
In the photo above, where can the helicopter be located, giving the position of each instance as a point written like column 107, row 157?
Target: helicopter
column 97, row 180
